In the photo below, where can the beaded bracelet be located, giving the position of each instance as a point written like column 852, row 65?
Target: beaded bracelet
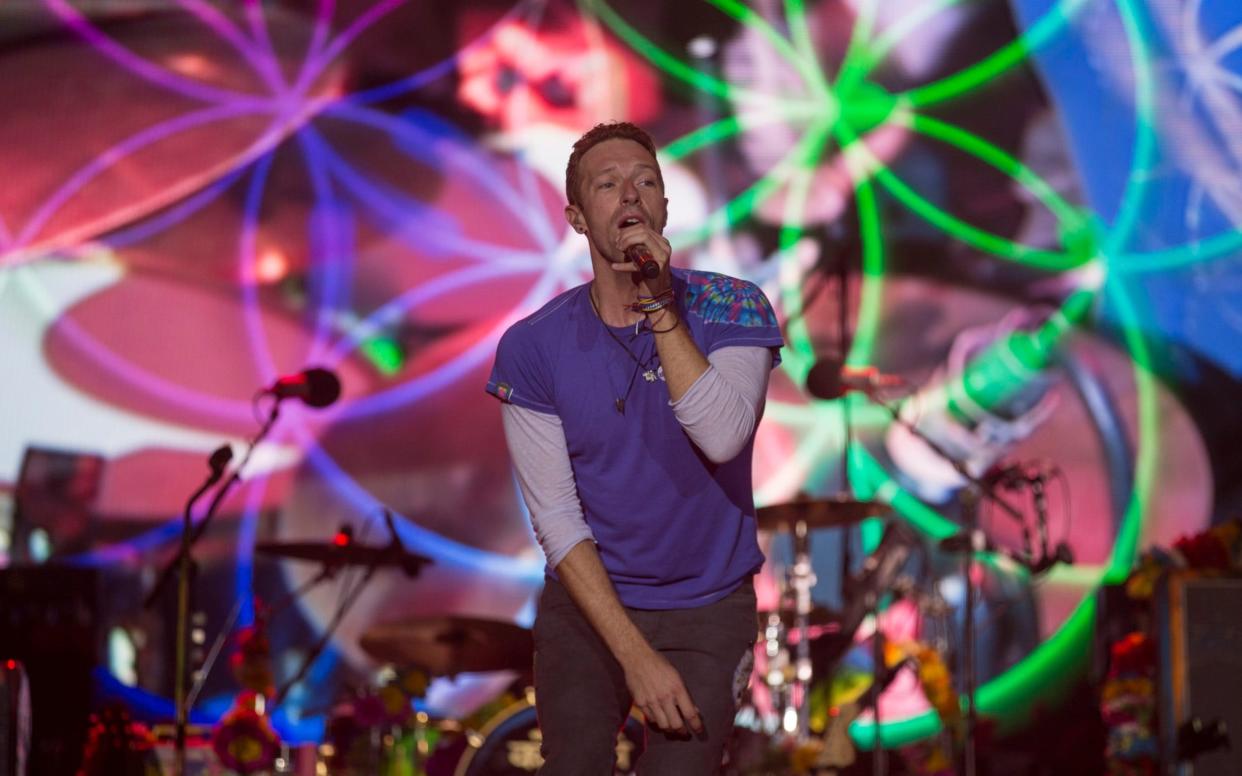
column 651, row 304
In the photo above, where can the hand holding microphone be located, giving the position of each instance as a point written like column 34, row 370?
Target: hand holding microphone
column 646, row 242
column 648, row 267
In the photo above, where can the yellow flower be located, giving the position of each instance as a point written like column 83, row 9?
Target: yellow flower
column 804, row 756
column 246, row 749
column 393, row 699
column 937, row 760
column 1122, row 687
column 934, row 676
column 1142, row 582
column 415, row 683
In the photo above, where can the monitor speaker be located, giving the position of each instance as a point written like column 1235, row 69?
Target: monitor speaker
column 50, row 620
column 1199, row 637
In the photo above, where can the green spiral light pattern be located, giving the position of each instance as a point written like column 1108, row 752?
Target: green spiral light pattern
column 841, row 114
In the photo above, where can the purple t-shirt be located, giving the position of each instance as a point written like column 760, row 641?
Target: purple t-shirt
column 674, row 530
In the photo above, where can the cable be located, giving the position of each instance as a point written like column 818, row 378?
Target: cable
column 322, row 642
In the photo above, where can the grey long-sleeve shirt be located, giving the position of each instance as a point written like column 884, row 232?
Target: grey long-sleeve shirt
column 719, row 412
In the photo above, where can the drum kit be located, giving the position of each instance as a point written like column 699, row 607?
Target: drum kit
column 801, row 644
column 502, row 739
column 798, row 644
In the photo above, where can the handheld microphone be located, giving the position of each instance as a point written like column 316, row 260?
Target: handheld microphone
column 830, row 379
column 315, row 386
column 648, row 267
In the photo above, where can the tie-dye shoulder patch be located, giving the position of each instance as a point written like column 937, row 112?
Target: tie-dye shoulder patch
column 722, row 299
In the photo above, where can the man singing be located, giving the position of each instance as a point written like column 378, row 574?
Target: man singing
column 630, row 407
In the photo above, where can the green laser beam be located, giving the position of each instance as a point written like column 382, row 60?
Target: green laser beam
column 852, row 65
column 1007, row 57
column 807, row 67
column 992, row 155
column 896, row 34
column 971, row 235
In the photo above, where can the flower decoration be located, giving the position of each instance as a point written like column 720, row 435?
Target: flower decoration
column 1141, row 584
column 1128, row 695
column 244, row 739
column 937, row 684
column 252, row 661
column 835, row 704
column 116, row 745
column 414, row 682
column 933, row 756
column 393, row 702
column 1204, row 551
column 1217, row 549
column 804, row 755
column 389, row 708
column 1128, row 707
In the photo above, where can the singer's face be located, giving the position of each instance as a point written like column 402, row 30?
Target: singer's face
column 619, row 189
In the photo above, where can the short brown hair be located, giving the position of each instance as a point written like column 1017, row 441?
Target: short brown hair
column 612, row 130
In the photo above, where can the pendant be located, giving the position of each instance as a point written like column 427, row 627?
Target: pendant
column 649, row 375
column 620, row 404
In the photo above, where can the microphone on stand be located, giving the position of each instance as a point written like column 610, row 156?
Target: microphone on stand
column 1007, row 477
column 218, row 462
column 648, row 267
column 315, row 386
column 1062, row 554
column 831, row 379
column 961, row 543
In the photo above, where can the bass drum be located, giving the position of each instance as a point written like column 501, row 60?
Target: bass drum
column 508, row 745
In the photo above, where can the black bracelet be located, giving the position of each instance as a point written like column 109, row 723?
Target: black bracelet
column 670, row 328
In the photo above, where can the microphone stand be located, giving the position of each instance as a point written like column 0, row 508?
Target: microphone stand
column 327, row 572
column 395, row 554
column 968, row 542
column 283, row 691
column 183, row 565
column 1040, row 496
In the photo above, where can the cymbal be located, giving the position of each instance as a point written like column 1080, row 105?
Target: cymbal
column 332, row 554
column 449, row 645
column 818, row 513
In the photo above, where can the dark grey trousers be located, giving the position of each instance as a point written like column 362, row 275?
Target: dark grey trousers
column 582, row 700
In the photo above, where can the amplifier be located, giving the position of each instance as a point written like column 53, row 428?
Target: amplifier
column 1199, row 637
column 50, row 618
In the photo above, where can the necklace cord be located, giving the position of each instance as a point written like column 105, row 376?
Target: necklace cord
column 620, row 402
